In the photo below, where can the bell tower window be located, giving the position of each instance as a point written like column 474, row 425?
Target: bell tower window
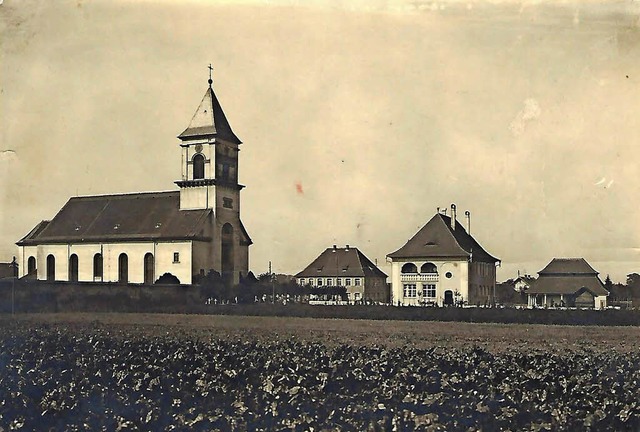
column 198, row 167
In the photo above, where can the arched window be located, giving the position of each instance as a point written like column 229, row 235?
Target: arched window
column 429, row 268
column 97, row 266
column 148, row 269
column 198, row 167
column 31, row 265
column 73, row 268
column 51, row 268
column 409, row 268
column 123, row 268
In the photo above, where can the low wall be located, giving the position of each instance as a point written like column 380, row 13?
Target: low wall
column 38, row 296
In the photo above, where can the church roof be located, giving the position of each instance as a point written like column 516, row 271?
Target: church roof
column 438, row 240
column 342, row 262
column 209, row 121
column 125, row 217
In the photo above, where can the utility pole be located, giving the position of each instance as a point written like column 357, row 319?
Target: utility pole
column 14, row 268
column 273, row 288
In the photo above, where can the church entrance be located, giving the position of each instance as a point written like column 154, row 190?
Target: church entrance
column 448, row 298
column 148, row 269
column 227, row 254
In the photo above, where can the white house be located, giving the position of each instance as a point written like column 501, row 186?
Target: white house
column 138, row 237
column 442, row 265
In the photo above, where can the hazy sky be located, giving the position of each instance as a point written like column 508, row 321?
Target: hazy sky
column 524, row 113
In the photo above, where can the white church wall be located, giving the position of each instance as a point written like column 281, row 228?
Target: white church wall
column 200, row 197
column 85, row 253
column 61, row 255
column 24, row 252
column 165, row 263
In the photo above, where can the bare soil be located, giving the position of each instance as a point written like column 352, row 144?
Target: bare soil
column 497, row 338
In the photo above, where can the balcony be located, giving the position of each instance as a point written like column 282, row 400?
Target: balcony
column 419, row 277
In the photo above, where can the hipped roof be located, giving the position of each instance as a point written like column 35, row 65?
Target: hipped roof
column 209, row 121
column 568, row 276
column 438, row 240
column 342, row 262
column 568, row 266
column 567, row 285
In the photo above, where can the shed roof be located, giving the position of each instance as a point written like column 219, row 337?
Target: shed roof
column 438, row 239
column 124, row 217
column 209, row 121
column 342, row 262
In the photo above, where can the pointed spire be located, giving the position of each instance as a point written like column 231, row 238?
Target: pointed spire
column 209, row 120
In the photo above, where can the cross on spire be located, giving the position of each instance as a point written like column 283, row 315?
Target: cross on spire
column 210, row 72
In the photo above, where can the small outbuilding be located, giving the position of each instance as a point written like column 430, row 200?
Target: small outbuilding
column 568, row 282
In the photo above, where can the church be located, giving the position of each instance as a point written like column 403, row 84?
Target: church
column 138, row 237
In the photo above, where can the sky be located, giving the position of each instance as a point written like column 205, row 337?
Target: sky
column 358, row 119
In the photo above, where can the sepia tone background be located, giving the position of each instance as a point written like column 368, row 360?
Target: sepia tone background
column 359, row 118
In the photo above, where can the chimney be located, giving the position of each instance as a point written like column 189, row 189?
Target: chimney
column 335, row 247
column 453, row 217
column 467, row 214
column 347, row 248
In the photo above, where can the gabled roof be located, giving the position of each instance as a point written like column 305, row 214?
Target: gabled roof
column 526, row 279
column 126, row 217
column 438, row 240
column 209, row 121
column 567, row 285
column 568, row 266
column 342, row 262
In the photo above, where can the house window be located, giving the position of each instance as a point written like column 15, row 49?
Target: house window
column 356, row 296
column 429, row 290
column 409, row 290
column 302, row 281
column 329, row 282
column 409, row 268
column 357, row 281
column 429, row 268
column 339, row 282
column 319, row 281
column 347, row 282
column 176, row 257
column 448, row 275
column 227, row 203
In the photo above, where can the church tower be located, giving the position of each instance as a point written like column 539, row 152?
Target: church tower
column 210, row 181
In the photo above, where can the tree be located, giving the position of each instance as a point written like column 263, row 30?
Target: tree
column 608, row 284
column 633, row 280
